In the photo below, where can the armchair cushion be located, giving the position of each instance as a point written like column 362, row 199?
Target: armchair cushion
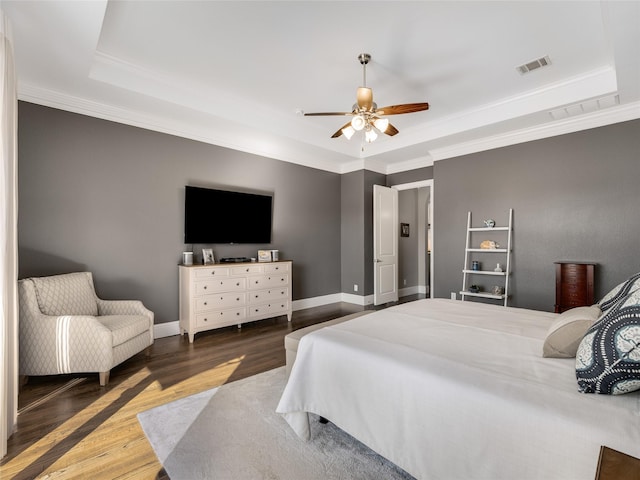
column 124, row 327
column 69, row 294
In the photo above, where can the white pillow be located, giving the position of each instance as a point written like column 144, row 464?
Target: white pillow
column 566, row 332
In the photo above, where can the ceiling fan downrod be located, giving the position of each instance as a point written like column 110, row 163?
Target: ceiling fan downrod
column 364, row 59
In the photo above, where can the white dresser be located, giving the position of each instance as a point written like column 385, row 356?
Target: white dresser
column 215, row 296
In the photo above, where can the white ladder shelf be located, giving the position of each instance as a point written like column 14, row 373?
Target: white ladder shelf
column 471, row 249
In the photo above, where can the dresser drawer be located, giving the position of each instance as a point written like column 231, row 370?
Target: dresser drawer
column 220, row 317
column 276, row 268
column 273, row 308
column 246, row 270
column 220, row 300
column 221, row 285
column 261, row 296
column 267, row 281
column 201, row 273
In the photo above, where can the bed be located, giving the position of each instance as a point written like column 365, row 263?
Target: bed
column 458, row 390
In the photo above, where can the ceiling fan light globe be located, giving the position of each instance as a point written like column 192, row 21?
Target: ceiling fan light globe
column 381, row 124
column 358, row 123
column 348, row 132
column 370, row 136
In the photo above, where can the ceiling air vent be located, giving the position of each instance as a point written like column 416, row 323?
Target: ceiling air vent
column 534, row 64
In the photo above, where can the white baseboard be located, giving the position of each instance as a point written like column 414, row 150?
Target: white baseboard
column 169, row 329
column 316, row 301
column 357, row 299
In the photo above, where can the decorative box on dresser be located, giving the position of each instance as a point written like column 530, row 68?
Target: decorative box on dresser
column 219, row 295
column 574, row 285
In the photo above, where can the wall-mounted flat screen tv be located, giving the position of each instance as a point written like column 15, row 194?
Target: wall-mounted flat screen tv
column 221, row 216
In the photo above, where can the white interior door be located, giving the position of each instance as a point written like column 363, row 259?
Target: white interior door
column 385, row 244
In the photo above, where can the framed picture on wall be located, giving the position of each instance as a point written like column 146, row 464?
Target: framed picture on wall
column 207, row 256
column 404, row 229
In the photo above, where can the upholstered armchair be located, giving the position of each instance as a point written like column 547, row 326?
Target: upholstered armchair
column 66, row 328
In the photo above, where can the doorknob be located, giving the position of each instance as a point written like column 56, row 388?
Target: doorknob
column 377, row 260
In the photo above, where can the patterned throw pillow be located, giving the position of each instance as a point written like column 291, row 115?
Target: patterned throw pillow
column 619, row 292
column 608, row 357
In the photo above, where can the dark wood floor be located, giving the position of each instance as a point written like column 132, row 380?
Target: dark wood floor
column 70, row 427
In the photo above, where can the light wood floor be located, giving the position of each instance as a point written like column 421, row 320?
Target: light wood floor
column 70, row 427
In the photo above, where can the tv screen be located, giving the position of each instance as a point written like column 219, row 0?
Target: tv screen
column 221, row 216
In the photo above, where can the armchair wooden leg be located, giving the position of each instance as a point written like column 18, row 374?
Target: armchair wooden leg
column 104, row 378
column 147, row 351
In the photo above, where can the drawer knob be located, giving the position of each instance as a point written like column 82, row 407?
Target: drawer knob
column 213, row 273
column 205, row 303
column 205, row 287
column 237, row 314
column 238, row 299
column 206, row 319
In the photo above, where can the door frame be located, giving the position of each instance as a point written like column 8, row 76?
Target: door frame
column 420, row 184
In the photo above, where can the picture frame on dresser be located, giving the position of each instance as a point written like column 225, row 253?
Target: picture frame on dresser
column 207, row 256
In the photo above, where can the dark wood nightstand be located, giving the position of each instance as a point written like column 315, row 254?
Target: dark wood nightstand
column 574, row 285
column 614, row 465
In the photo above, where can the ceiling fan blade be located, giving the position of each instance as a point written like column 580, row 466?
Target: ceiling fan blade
column 324, row 114
column 339, row 132
column 405, row 108
column 365, row 98
column 391, row 130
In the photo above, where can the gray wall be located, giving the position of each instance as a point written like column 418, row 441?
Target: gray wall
column 109, row 198
column 410, row 176
column 575, row 197
column 357, row 230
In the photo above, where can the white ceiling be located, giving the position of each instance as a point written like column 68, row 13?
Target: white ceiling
column 238, row 73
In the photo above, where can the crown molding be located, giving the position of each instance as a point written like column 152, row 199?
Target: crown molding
column 597, row 119
column 414, row 164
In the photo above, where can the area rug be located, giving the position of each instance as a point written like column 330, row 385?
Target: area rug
column 233, row 432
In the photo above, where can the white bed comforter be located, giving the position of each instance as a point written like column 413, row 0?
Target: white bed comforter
column 458, row 390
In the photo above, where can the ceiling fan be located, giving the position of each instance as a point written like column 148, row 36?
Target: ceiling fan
column 366, row 114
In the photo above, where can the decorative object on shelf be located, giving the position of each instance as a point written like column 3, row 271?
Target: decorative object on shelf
column 475, row 265
column 475, row 288
column 264, row 255
column 275, row 255
column 187, row 258
column 404, row 229
column 207, row 256
column 498, row 268
column 489, row 245
column 490, row 223
column 497, row 290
